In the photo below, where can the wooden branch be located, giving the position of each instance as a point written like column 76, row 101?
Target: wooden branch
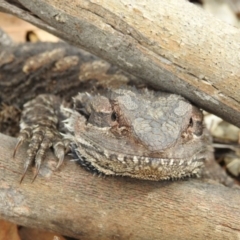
column 75, row 203
column 172, row 45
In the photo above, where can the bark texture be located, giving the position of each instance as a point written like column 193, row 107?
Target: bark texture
column 172, row 45
column 73, row 202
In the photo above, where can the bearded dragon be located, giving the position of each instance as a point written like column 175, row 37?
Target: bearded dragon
column 111, row 128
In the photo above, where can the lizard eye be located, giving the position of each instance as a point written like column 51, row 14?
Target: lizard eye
column 114, row 116
column 190, row 122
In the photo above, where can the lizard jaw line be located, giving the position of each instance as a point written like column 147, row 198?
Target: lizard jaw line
column 141, row 167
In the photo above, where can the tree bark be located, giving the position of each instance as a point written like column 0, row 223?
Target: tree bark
column 76, row 203
column 172, row 45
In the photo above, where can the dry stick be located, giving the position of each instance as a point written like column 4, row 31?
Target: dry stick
column 73, row 202
column 171, row 44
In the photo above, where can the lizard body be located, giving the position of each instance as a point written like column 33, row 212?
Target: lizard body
column 119, row 131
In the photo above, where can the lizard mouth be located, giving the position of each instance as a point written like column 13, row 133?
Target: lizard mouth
column 139, row 166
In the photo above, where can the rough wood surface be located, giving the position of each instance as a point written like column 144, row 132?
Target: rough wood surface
column 170, row 44
column 73, row 202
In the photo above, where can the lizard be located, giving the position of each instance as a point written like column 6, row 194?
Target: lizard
column 114, row 130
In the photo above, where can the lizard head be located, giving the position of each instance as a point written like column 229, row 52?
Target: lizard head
column 138, row 133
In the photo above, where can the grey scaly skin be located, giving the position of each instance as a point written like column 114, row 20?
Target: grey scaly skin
column 128, row 132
